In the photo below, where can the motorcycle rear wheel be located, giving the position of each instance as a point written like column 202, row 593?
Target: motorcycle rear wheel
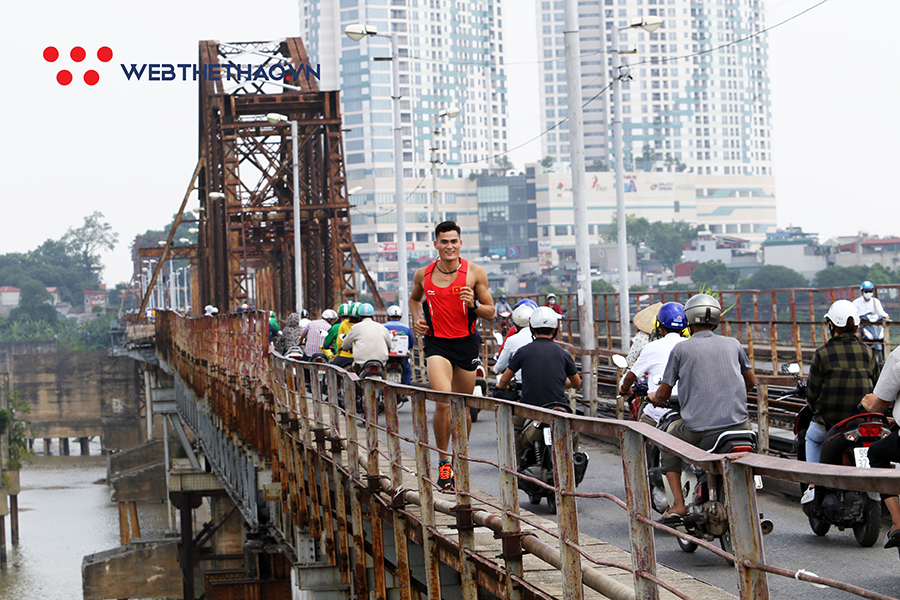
column 819, row 527
column 686, row 545
column 869, row 530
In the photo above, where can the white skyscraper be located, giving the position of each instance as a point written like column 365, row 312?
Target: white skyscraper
column 451, row 54
column 698, row 100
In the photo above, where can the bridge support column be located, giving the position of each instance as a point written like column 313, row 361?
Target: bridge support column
column 64, row 446
column 47, row 442
column 85, row 446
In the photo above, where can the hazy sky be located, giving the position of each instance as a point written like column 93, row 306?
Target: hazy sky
column 128, row 149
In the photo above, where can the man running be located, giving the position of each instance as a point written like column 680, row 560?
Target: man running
column 447, row 298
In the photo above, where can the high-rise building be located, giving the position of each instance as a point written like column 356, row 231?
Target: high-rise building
column 698, row 100
column 451, row 55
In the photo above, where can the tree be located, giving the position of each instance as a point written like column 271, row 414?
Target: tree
column 33, row 303
column 601, row 286
column 638, row 288
column 647, row 158
column 547, row 162
column 87, row 241
column 844, row 276
column 714, row 275
column 18, row 429
column 504, row 164
column 597, row 165
column 666, row 239
column 774, row 277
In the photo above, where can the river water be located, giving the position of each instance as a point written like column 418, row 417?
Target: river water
column 65, row 513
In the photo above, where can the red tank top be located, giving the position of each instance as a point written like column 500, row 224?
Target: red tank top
column 447, row 316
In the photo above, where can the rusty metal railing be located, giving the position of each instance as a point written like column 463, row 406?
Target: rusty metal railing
column 340, row 478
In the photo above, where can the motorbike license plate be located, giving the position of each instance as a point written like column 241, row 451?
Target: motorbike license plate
column 547, row 438
column 862, row 457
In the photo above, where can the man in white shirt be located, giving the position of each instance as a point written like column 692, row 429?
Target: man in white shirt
column 368, row 339
column 670, row 322
column 522, row 337
column 867, row 302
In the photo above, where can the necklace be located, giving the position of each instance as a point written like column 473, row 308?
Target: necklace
column 438, row 267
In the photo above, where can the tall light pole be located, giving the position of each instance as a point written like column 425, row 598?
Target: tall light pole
column 357, row 32
column 584, row 302
column 449, row 113
column 274, row 119
column 650, row 24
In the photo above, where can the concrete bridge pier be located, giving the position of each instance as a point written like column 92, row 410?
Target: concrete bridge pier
column 47, row 442
column 64, row 446
column 85, row 446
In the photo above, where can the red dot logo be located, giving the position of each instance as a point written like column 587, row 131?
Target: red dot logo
column 77, row 54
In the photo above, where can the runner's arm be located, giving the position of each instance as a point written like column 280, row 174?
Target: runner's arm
column 416, row 312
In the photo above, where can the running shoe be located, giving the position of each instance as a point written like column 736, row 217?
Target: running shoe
column 446, row 482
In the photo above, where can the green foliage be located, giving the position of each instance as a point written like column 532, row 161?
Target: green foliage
column 714, row 275
column 504, row 164
column 844, row 276
column 34, row 303
column 666, row 239
column 676, row 287
column 597, row 165
column 91, row 335
column 601, row 286
column 551, row 289
column 87, row 241
column 637, row 288
column 19, row 429
column 774, row 277
column 547, row 162
column 647, row 159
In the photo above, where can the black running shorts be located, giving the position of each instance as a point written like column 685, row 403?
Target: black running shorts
column 461, row 352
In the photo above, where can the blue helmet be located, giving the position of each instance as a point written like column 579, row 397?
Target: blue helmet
column 526, row 302
column 867, row 286
column 671, row 316
column 366, row 310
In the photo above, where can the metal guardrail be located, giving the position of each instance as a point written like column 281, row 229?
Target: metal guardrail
column 264, row 423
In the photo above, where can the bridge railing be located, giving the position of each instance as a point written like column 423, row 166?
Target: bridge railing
column 328, row 474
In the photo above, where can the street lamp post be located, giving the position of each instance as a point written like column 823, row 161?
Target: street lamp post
column 357, row 32
column 449, row 113
column 275, row 118
column 650, row 24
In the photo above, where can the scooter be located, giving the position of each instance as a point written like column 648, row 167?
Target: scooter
column 481, row 388
column 871, row 332
column 371, row 369
column 704, row 493
column 393, row 372
column 537, row 459
column 847, row 443
column 504, row 318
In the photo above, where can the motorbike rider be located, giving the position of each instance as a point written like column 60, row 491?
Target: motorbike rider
column 552, row 303
column 514, row 329
column 290, row 335
column 714, row 376
column 344, row 357
column 503, row 305
column 547, row 369
column 868, row 303
column 670, row 325
column 521, row 317
column 329, row 345
column 887, row 450
column 368, row 339
column 313, row 335
column 395, row 313
column 842, row 371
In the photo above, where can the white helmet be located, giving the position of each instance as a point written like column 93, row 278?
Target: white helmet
column 841, row 312
column 544, row 317
column 329, row 314
column 521, row 315
column 394, row 311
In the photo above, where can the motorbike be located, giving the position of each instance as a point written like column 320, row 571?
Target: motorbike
column 393, row 372
column 704, row 493
column 504, row 320
column 371, row 369
column 847, row 443
column 871, row 332
column 639, row 390
column 537, row 459
column 481, row 388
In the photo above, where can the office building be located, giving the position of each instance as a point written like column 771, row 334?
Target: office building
column 451, row 55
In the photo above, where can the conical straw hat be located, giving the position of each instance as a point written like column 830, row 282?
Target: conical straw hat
column 646, row 318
